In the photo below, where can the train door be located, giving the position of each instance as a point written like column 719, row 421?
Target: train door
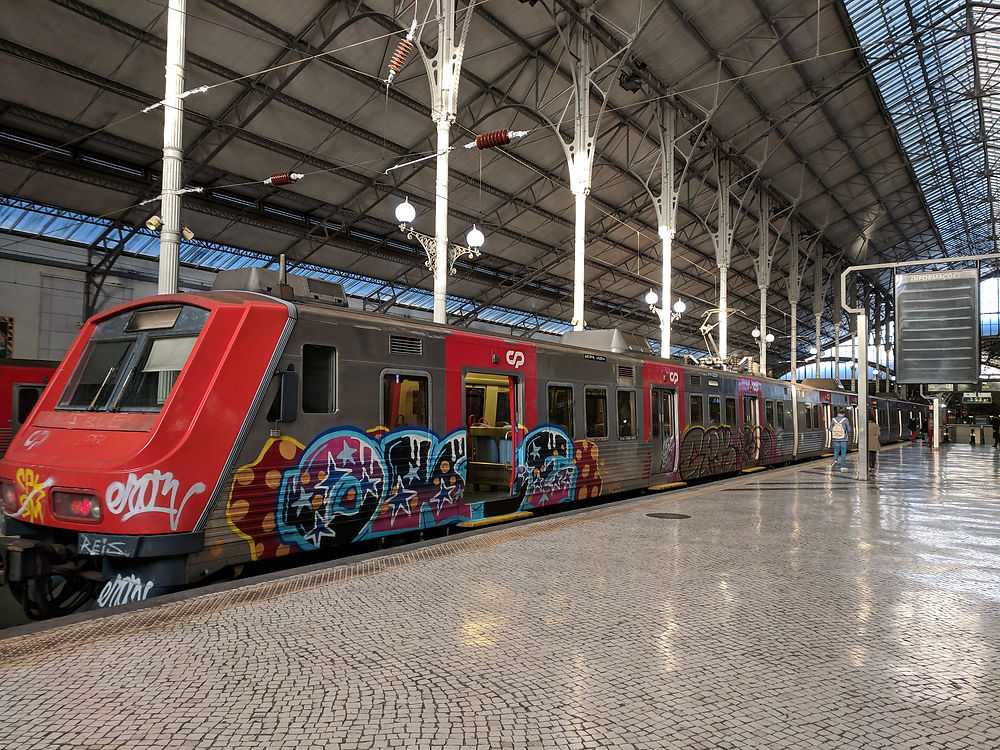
column 24, row 396
column 827, row 418
column 664, row 430
column 751, row 423
column 492, row 411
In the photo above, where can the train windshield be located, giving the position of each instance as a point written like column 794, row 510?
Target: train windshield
column 134, row 359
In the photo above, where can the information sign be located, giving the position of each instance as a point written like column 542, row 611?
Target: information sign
column 937, row 327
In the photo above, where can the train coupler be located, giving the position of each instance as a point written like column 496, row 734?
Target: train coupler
column 21, row 559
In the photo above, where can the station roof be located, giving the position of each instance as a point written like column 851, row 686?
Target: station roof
column 818, row 105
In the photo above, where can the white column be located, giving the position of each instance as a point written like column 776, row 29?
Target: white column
column 441, row 223
column 579, row 252
column 173, row 150
column 763, row 330
column 937, row 421
column 862, row 426
column 667, row 238
column 723, row 311
column 795, row 340
column 819, row 350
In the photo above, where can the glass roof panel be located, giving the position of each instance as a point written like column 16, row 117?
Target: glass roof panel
column 939, row 85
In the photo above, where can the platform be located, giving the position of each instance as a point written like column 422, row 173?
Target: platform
column 793, row 608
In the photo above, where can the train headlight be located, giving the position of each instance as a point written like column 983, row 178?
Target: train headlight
column 8, row 497
column 76, row 506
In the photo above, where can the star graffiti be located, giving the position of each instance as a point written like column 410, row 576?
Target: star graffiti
column 400, row 500
column 320, row 530
column 333, row 476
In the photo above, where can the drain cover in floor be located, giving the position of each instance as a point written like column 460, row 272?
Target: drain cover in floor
column 667, row 515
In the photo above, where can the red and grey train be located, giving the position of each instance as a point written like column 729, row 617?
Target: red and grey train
column 188, row 433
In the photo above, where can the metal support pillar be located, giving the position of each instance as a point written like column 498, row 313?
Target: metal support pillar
column 818, row 303
column 723, row 239
column 443, row 76
column 795, row 271
column 666, row 215
column 763, row 268
column 173, row 149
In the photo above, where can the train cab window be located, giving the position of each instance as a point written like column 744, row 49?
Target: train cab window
column 769, row 413
column 596, row 400
column 780, row 408
column 626, row 415
column 319, row 379
column 151, row 380
column 714, row 411
column 104, row 363
column 561, row 407
column 730, row 411
column 695, row 412
column 134, row 359
column 405, row 400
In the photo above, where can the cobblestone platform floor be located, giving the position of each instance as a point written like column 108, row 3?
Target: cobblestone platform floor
column 795, row 608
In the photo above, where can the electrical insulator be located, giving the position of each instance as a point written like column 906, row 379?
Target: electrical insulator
column 399, row 57
column 283, row 178
column 496, row 138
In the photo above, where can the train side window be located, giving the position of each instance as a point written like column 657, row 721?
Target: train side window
column 817, row 416
column 27, row 397
column 714, row 411
column 596, row 401
column 655, row 413
column 561, row 407
column 626, row 415
column 730, row 411
column 780, row 408
column 405, row 399
column 809, row 420
column 769, row 413
column 695, row 412
column 319, row 379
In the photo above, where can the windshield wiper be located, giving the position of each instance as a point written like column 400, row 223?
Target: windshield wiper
column 111, row 371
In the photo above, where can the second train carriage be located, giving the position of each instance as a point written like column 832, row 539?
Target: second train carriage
column 183, row 434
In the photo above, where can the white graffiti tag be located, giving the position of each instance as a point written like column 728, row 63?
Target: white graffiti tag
column 122, row 590
column 152, row 493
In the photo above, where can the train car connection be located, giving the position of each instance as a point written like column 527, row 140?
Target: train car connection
column 21, row 384
column 188, row 433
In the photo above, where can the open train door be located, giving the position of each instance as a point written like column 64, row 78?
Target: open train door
column 492, row 413
column 663, row 421
column 827, row 419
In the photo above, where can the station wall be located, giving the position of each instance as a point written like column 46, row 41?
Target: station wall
column 42, row 291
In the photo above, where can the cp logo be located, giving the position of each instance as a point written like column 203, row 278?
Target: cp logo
column 514, row 358
column 35, row 438
column 673, row 378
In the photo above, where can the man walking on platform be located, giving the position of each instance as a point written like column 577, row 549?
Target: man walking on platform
column 995, row 422
column 840, row 431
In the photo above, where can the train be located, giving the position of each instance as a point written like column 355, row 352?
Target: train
column 21, row 384
column 191, row 433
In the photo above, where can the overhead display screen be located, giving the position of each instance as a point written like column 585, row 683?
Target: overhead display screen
column 937, row 327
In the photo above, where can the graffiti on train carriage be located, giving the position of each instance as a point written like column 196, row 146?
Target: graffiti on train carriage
column 552, row 469
column 348, row 485
column 722, row 449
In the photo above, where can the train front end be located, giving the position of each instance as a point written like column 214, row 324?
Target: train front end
column 106, row 488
